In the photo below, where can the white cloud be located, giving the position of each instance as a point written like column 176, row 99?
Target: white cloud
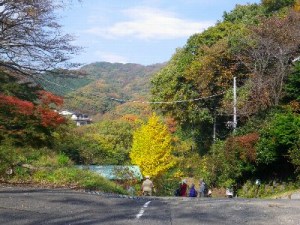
column 110, row 57
column 150, row 23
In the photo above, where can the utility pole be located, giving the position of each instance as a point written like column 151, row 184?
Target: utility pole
column 234, row 105
column 215, row 127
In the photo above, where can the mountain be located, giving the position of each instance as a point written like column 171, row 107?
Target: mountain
column 131, row 78
column 103, row 82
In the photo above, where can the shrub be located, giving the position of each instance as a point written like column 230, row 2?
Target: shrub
column 52, row 160
column 76, row 177
column 266, row 189
column 7, row 158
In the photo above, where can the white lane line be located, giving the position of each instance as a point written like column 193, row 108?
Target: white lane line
column 141, row 212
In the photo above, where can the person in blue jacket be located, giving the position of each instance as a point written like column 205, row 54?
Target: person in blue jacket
column 193, row 192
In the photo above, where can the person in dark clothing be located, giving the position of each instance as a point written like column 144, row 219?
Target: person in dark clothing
column 202, row 189
column 193, row 192
column 183, row 188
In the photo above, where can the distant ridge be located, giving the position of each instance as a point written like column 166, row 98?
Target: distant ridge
column 103, row 81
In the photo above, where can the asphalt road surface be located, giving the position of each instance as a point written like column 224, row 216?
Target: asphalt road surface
column 31, row 206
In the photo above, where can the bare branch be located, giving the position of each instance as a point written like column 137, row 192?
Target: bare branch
column 30, row 37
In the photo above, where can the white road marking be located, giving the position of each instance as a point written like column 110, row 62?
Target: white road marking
column 141, row 212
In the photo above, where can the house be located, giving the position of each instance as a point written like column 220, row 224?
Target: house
column 79, row 118
column 66, row 113
column 113, row 172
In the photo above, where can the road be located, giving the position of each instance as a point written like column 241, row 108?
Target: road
column 32, row 206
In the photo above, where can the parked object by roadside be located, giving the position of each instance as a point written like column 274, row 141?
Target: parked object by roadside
column 209, row 193
column 257, row 183
column 229, row 192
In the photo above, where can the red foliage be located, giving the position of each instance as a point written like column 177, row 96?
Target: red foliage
column 242, row 146
column 10, row 105
column 171, row 124
column 50, row 118
column 130, row 117
column 248, row 139
column 247, row 142
column 17, row 105
column 48, row 98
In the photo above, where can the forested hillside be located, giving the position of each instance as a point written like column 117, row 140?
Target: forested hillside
column 259, row 45
column 93, row 91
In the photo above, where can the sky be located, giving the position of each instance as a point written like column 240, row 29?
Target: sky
column 138, row 31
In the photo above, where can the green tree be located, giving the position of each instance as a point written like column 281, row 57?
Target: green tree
column 105, row 142
column 204, row 67
column 275, row 5
column 246, row 14
column 292, row 89
column 279, row 136
column 152, row 148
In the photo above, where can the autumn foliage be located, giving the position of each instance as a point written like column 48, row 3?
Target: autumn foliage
column 16, row 105
column 49, row 118
column 245, row 145
column 48, row 98
column 152, row 147
column 13, row 108
column 29, row 122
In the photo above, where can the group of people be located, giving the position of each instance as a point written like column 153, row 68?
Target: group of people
column 191, row 191
column 183, row 190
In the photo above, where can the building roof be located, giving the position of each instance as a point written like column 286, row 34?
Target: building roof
column 113, row 172
column 66, row 113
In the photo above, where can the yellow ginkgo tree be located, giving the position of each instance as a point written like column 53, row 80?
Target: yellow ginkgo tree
column 152, row 148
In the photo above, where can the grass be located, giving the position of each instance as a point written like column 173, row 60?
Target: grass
column 265, row 190
column 50, row 169
column 74, row 177
column 285, row 194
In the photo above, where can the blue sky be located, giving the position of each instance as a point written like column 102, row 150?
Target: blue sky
column 138, row 31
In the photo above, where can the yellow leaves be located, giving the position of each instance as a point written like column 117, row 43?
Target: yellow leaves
column 178, row 174
column 297, row 6
column 152, row 147
column 295, row 106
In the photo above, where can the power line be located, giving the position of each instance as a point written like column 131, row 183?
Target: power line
column 134, row 101
column 167, row 102
column 137, row 101
column 63, row 86
column 51, row 82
